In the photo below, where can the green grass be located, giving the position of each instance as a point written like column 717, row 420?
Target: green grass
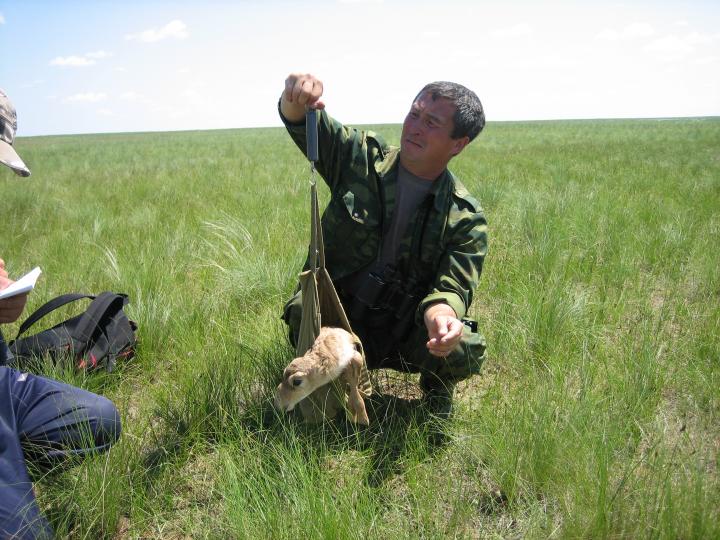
column 596, row 415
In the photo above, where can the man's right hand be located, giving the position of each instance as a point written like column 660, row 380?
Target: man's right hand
column 301, row 90
column 10, row 308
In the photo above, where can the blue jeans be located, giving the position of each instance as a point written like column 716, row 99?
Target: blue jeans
column 45, row 422
column 5, row 354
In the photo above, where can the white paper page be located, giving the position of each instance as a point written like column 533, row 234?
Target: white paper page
column 22, row 285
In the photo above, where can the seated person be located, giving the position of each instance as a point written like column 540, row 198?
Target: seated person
column 42, row 421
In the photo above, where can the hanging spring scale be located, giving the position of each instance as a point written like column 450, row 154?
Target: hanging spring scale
column 311, row 138
column 311, row 142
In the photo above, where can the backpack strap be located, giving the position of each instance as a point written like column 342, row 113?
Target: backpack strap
column 89, row 320
column 49, row 307
column 105, row 304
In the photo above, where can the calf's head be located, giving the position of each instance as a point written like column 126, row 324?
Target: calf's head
column 300, row 379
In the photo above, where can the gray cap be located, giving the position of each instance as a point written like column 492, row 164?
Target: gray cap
column 8, row 127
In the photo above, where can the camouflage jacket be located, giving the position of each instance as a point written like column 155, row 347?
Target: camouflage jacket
column 441, row 254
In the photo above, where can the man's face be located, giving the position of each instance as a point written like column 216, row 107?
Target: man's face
column 426, row 145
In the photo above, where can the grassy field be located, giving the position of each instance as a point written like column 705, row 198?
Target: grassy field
column 597, row 414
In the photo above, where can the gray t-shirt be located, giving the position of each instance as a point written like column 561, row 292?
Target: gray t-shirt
column 409, row 193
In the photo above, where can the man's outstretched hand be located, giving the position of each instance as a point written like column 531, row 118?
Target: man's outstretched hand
column 444, row 329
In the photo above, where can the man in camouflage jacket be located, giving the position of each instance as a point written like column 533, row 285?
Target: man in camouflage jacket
column 404, row 240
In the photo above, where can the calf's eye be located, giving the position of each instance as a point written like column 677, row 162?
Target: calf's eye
column 297, row 382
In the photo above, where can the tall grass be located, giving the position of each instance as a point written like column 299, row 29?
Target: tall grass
column 597, row 411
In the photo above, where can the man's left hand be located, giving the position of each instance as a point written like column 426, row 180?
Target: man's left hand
column 444, row 329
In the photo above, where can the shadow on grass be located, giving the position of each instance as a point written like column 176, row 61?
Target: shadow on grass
column 400, row 429
column 232, row 400
column 396, row 422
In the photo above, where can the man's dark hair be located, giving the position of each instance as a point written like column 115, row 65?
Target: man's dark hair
column 469, row 118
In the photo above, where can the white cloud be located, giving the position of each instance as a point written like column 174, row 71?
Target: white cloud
column 195, row 95
column 174, row 29
column 87, row 59
column 608, row 34
column 670, row 45
column 673, row 48
column 32, row 84
column 98, row 54
column 638, row 30
column 556, row 62
column 696, row 38
column 2, row 19
column 135, row 97
column 186, row 103
column 86, row 97
column 518, row 30
column 631, row 31
column 72, row 61
column 105, row 112
column 130, row 96
column 360, row 1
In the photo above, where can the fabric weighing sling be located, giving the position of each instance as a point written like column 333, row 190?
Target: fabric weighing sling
column 320, row 302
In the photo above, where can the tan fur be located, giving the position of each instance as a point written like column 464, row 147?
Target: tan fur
column 335, row 353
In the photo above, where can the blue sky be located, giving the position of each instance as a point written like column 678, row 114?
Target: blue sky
column 103, row 66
